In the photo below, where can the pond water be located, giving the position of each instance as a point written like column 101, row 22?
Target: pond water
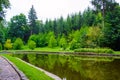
column 69, row 67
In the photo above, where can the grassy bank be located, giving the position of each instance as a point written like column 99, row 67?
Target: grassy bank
column 55, row 49
column 31, row 72
column 96, row 50
column 117, row 52
column 58, row 49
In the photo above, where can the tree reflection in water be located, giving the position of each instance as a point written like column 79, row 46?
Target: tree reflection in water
column 70, row 67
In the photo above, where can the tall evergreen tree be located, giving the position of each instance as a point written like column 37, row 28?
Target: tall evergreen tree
column 32, row 20
column 2, row 33
column 88, row 17
column 61, row 25
column 111, row 37
column 54, row 27
column 104, row 6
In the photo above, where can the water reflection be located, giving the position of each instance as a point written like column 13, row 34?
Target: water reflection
column 76, row 67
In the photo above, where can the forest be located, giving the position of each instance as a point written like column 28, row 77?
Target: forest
column 97, row 27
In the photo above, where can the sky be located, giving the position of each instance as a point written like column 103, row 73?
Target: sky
column 47, row 9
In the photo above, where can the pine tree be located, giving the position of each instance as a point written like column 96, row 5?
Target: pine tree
column 104, row 6
column 32, row 20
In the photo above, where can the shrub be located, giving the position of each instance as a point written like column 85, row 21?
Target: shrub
column 8, row 44
column 63, row 43
column 52, row 42
column 33, row 38
column 48, row 36
column 0, row 46
column 31, row 44
column 18, row 44
column 93, row 35
column 41, row 40
column 73, row 45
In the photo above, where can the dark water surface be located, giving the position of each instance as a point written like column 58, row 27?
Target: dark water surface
column 69, row 67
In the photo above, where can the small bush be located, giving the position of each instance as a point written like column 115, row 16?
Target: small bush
column 8, row 44
column 0, row 46
column 31, row 44
column 52, row 42
column 96, row 50
column 33, row 38
column 73, row 45
column 18, row 44
column 63, row 43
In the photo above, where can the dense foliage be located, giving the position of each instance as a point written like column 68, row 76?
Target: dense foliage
column 94, row 28
column 31, row 44
column 0, row 46
column 96, row 50
column 18, row 44
column 18, row 27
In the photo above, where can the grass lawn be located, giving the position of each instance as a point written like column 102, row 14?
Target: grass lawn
column 58, row 49
column 55, row 49
column 116, row 52
column 47, row 49
column 31, row 72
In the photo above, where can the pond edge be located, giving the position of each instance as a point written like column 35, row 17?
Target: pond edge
column 55, row 77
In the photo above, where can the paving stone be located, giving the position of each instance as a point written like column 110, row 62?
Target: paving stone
column 7, row 72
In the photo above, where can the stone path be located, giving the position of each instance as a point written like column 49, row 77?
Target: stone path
column 7, row 72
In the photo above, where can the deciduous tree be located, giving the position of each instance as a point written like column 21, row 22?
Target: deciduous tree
column 4, row 4
column 18, row 27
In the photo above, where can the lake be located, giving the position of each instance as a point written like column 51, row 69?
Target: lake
column 74, row 67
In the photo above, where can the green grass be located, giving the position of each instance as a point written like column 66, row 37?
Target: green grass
column 55, row 49
column 25, row 48
column 48, row 49
column 116, row 52
column 58, row 49
column 96, row 50
column 38, row 49
column 31, row 72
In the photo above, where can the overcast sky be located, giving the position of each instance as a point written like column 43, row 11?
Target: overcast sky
column 47, row 9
